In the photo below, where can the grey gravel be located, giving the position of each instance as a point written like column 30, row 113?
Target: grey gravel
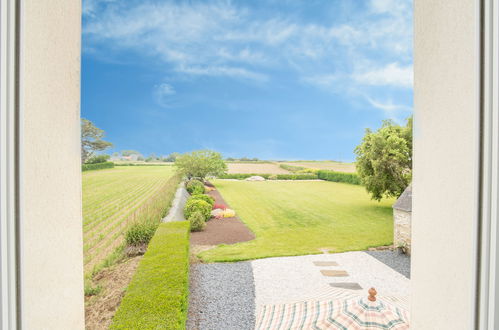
column 222, row 296
column 395, row 260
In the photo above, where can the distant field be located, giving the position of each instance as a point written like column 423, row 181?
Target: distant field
column 257, row 168
column 325, row 165
column 112, row 198
column 297, row 218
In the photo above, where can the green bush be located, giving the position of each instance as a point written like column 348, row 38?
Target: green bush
column 197, row 221
column 194, row 205
column 297, row 176
column 157, row 297
column 140, row 233
column 333, row 176
column 272, row 177
column 194, row 187
column 97, row 159
column 208, row 199
column 98, row 166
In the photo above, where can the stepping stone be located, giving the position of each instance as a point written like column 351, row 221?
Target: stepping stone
column 334, row 273
column 346, row 285
column 325, row 263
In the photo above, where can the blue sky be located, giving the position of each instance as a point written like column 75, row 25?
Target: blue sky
column 273, row 79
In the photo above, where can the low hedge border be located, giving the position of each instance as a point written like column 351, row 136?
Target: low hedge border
column 242, row 176
column 334, row 176
column 97, row 166
column 157, row 297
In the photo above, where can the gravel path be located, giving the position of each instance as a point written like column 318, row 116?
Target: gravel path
column 222, row 296
column 176, row 212
column 399, row 262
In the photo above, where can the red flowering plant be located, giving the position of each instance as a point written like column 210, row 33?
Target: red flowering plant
column 219, row 206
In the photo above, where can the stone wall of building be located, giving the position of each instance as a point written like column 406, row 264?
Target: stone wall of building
column 402, row 229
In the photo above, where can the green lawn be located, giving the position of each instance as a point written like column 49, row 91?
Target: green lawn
column 296, row 218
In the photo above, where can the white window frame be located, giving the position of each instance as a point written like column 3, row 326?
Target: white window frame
column 488, row 253
column 9, row 164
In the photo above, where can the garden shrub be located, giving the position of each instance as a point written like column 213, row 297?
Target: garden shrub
column 98, row 166
column 194, row 205
column 194, row 187
column 273, row 177
column 140, row 233
column 157, row 297
column 197, row 221
column 297, row 176
column 208, row 199
column 333, row 176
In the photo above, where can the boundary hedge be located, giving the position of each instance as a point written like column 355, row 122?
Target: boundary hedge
column 242, row 176
column 97, row 166
column 334, row 176
column 157, row 297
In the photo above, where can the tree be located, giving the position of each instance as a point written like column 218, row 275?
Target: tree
column 200, row 164
column 97, row 159
column 127, row 153
column 384, row 159
column 91, row 139
column 171, row 157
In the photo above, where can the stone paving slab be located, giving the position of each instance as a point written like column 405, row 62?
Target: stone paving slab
column 346, row 285
column 334, row 273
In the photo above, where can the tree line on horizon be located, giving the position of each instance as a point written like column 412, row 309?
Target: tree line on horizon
column 383, row 158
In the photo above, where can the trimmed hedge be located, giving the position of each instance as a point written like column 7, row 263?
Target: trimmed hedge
column 333, row 176
column 157, row 297
column 296, row 176
column 97, row 166
column 143, row 164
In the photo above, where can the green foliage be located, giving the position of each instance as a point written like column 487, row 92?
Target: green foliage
column 171, row 157
column 197, row 221
column 194, row 187
column 297, row 176
column 200, row 164
column 194, row 205
column 98, row 159
column 139, row 164
column 91, row 140
column 140, row 233
column 127, row 153
column 384, row 159
column 90, row 289
column 157, row 297
column 334, row 176
column 291, row 168
column 208, row 199
column 98, row 166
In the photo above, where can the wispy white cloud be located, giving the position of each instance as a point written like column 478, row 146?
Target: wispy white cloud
column 222, row 39
column 162, row 93
column 392, row 74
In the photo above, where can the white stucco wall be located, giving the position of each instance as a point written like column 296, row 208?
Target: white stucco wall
column 445, row 171
column 51, row 232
